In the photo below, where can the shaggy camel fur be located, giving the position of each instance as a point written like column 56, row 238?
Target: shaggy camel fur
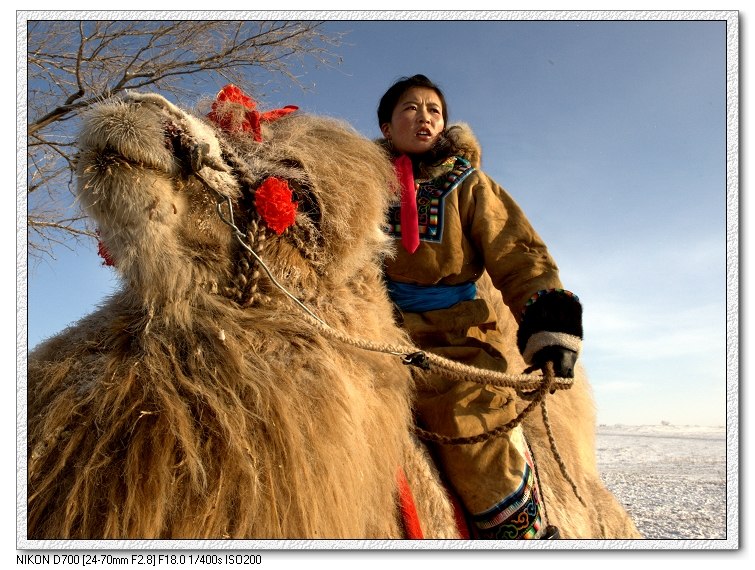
column 197, row 402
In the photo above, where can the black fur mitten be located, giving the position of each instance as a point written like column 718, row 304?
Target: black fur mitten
column 551, row 331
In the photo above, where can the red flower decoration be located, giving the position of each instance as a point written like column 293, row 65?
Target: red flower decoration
column 233, row 111
column 275, row 205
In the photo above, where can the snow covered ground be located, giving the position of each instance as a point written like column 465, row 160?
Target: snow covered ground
column 671, row 479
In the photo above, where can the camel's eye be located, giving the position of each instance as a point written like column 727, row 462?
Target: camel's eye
column 172, row 134
column 308, row 205
column 176, row 142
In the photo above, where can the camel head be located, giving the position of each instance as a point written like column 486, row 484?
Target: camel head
column 183, row 201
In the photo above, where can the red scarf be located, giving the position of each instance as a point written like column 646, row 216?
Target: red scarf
column 409, row 217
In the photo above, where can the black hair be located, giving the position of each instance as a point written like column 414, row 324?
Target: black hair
column 389, row 100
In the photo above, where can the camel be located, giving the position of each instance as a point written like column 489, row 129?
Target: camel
column 204, row 398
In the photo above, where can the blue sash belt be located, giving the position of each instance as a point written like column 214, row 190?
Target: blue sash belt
column 420, row 298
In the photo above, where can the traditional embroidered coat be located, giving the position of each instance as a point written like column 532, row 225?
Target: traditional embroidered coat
column 468, row 224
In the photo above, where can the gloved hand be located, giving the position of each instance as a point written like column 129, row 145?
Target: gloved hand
column 562, row 358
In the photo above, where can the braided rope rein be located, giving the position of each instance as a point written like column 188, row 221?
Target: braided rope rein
column 556, row 454
column 500, row 430
column 412, row 355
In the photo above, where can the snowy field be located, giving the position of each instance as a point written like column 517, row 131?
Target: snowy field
column 671, row 479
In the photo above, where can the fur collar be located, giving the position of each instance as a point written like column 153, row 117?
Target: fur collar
column 457, row 140
column 464, row 143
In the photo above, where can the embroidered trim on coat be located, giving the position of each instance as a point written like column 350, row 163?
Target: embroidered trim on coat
column 518, row 516
column 431, row 195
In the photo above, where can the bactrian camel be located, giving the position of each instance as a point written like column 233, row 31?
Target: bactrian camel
column 202, row 400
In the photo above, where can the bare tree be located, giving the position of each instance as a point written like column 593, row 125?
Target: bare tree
column 73, row 64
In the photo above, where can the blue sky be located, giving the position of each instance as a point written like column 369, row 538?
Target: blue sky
column 612, row 137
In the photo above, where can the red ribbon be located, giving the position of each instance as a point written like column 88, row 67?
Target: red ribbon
column 252, row 119
column 409, row 216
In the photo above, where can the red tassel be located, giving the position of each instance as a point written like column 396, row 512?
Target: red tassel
column 103, row 252
column 409, row 516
